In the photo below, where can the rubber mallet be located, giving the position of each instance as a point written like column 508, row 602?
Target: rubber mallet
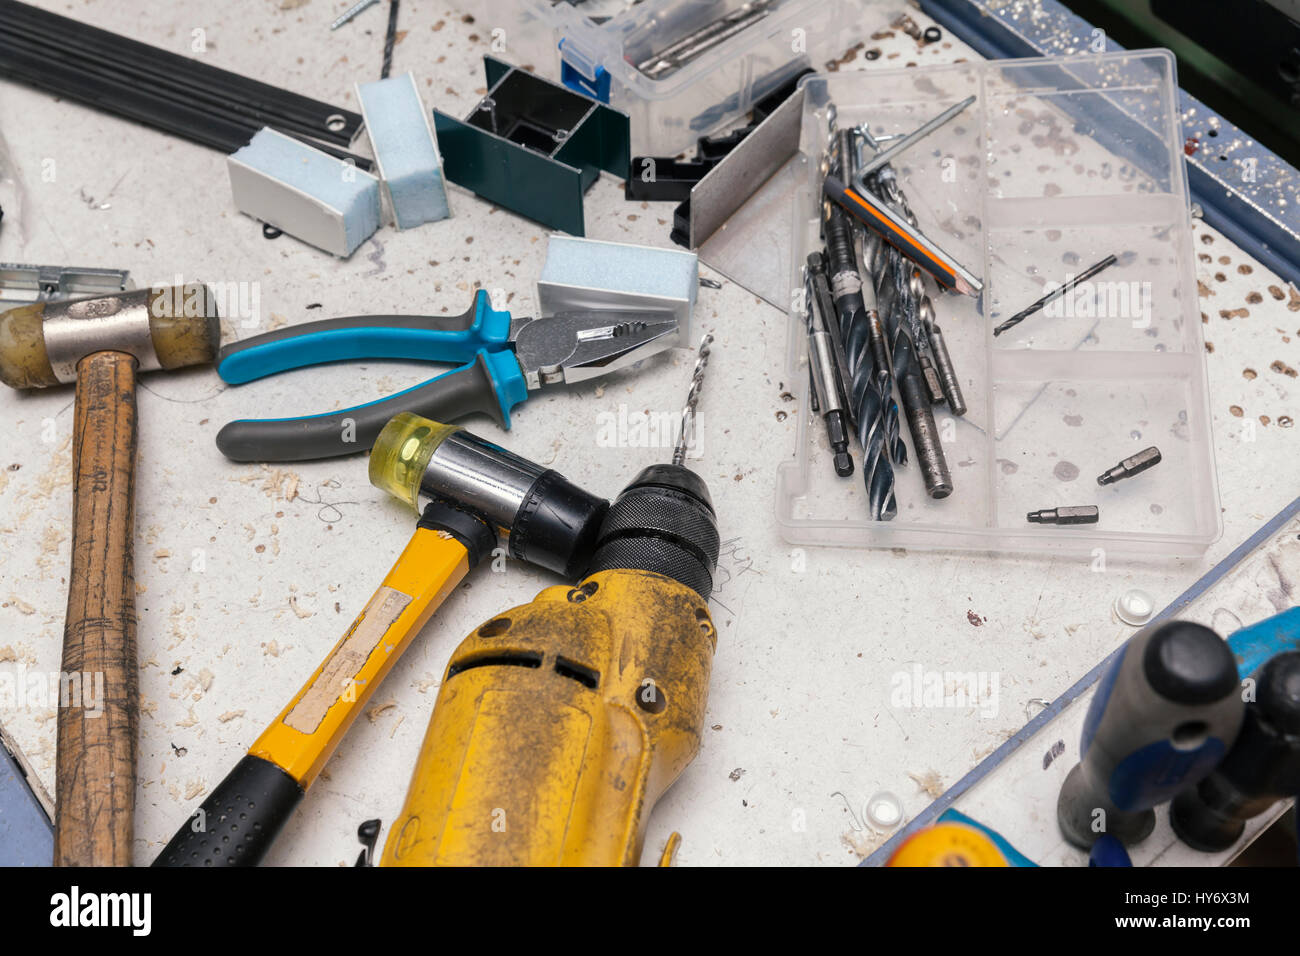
column 101, row 344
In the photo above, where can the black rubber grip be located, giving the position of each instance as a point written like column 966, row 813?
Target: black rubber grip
column 239, row 821
column 446, row 398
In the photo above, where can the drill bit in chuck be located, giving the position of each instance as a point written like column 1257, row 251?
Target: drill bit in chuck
column 692, row 400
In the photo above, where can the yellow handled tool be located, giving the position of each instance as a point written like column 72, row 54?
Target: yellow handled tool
column 550, row 522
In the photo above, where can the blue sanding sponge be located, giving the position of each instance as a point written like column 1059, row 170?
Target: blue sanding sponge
column 405, row 150
column 307, row 193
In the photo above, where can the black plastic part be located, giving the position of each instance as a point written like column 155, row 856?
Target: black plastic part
column 662, row 522
column 1189, row 664
column 368, row 837
column 681, row 231
column 478, row 537
column 668, row 179
column 556, row 526
column 448, row 397
column 239, row 821
column 1262, row 767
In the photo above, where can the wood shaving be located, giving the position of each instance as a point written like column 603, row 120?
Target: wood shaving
column 230, row 715
column 194, row 788
column 301, row 612
column 271, row 649
column 929, row 782
column 21, row 606
column 374, row 713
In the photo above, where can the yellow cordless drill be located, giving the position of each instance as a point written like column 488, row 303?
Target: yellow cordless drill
column 560, row 723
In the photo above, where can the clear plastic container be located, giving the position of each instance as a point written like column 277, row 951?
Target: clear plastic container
column 1059, row 163
column 597, row 47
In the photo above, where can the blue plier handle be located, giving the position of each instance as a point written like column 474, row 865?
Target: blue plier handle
column 489, row 379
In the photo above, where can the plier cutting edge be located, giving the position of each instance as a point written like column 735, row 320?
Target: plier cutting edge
column 502, row 360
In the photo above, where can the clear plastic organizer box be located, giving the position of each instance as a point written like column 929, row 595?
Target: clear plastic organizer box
column 1059, row 163
column 595, row 47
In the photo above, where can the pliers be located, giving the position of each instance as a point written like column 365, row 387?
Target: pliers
column 503, row 358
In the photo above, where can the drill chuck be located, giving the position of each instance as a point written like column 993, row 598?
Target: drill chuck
column 550, row 521
column 662, row 522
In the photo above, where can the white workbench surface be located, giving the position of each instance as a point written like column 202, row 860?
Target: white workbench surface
column 799, row 703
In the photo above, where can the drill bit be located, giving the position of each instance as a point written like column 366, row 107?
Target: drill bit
column 869, row 280
column 351, row 12
column 869, row 398
column 692, row 399
column 898, row 317
column 1056, row 293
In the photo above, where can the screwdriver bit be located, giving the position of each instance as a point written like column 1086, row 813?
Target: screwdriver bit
column 1133, row 465
column 1073, row 514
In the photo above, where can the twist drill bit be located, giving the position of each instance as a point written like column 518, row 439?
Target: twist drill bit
column 840, row 223
column 1056, row 293
column 692, row 399
column 868, row 397
column 898, row 317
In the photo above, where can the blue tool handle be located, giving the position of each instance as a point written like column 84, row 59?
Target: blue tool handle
column 429, row 338
column 491, row 384
column 1254, row 645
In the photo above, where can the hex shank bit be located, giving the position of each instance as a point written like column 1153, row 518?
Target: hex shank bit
column 1130, row 466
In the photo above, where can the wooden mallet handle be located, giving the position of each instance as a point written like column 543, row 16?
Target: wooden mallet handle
column 95, row 780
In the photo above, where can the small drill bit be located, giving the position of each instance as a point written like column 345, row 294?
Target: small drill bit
column 1133, row 465
column 692, row 399
column 348, row 15
column 1056, row 293
column 1073, row 514
column 390, row 40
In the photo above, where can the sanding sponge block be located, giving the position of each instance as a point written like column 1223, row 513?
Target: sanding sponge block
column 308, row 194
column 591, row 274
column 405, row 150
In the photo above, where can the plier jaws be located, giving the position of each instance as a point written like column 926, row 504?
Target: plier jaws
column 571, row 347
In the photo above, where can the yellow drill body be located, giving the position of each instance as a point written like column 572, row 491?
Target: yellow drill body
column 558, row 726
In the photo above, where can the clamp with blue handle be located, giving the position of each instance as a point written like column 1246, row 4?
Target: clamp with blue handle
column 500, row 360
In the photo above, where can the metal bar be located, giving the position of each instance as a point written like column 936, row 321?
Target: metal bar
column 49, row 35
column 903, row 142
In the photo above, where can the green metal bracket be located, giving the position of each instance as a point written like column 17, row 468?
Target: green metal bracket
column 533, row 146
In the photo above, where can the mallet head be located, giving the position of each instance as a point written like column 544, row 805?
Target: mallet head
column 164, row 327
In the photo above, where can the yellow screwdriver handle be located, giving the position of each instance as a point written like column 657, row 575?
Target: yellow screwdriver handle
column 303, row 738
column 240, row 819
